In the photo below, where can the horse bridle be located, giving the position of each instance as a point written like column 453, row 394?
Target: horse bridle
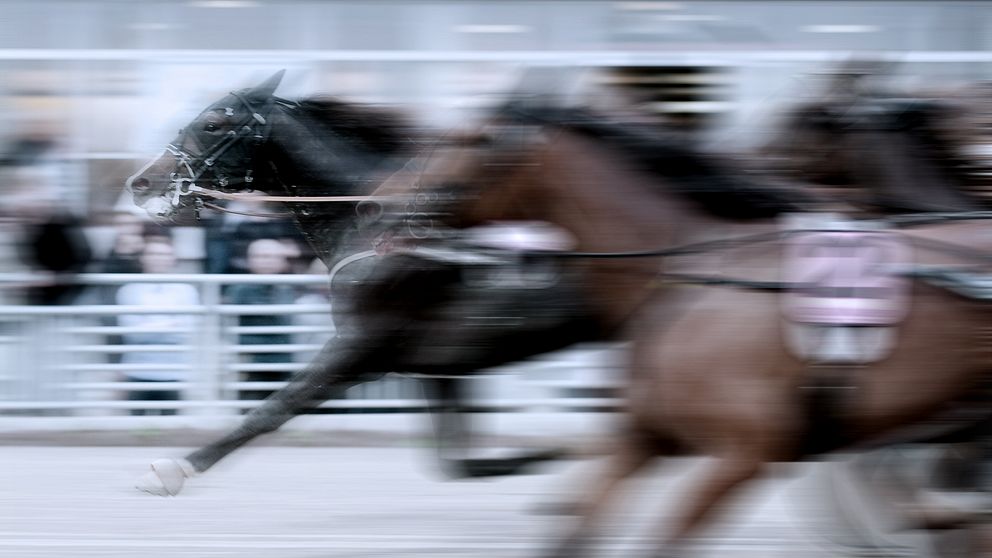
column 190, row 167
column 251, row 132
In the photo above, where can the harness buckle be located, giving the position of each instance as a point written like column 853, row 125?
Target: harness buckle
column 179, row 191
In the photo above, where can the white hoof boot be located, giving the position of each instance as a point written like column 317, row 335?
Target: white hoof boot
column 166, row 477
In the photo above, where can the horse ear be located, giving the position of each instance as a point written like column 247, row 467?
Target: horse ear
column 267, row 88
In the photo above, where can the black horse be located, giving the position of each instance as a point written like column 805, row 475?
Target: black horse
column 322, row 156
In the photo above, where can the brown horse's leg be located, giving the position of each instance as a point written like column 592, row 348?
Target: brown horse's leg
column 725, row 475
column 633, row 452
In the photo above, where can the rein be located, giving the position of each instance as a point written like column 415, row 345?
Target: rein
column 724, row 244
column 292, row 199
column 938, row 276
column 693, row 248
column 281, row 214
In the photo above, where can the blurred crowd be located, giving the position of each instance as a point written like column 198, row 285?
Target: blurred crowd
column 863, row 145
column 46, row 244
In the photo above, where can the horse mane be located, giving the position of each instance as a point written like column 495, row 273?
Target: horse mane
column 921, row 140
column 374, row 129
column 685, row 171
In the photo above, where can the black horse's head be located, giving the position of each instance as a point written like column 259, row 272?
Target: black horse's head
column 213, row 152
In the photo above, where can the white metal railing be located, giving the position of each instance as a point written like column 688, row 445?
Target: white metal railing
column 60, row 360
column 585, row 58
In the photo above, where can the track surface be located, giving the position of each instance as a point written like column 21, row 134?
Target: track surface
column 286, row 502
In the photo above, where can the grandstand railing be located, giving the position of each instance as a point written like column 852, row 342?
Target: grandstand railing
column 59, row 360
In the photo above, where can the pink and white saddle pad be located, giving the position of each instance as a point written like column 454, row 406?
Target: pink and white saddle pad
column 846, row 277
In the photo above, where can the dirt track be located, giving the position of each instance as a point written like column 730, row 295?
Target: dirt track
column 295, row 502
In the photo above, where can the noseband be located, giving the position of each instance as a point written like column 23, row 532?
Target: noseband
column 190, row 167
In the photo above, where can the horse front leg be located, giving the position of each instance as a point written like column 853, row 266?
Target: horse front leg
column 478, row 329
column 632, row 453
column 452, row 428
column 723, row 477
column 453, row 431
column 341, row 363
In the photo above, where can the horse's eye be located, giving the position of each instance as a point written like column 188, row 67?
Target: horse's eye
column 210, row 127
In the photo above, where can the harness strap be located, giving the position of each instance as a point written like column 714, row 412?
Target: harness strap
column 291, row 199
column 279, row 215
column 210, row 155
column 745, row 284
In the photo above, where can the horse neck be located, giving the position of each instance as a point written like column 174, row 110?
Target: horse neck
column 889, row 168
column 904, row 174
column 309, row 162
column 610, row 206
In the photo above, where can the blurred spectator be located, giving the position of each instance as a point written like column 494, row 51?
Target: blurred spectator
column 265, row 256
column 51, row 238
column 246, row 220
column 157, row 256
column 131, row 234
column 57, row 245
column 125, row 253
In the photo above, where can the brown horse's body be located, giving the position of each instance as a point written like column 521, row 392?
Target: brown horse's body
column 875, row 151
column 718, row 379
column 710, row 374
column 710, row 370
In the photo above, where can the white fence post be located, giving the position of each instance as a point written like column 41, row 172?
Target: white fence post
column 208, row 370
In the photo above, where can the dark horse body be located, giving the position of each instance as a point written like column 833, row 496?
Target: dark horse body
column 396, row 314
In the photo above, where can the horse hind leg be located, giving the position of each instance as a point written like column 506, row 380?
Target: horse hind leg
column 723, row 477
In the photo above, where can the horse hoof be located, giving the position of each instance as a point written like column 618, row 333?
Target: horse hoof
column 166, row 477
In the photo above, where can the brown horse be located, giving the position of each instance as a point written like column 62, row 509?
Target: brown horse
column 666, row 255
column 877, row 149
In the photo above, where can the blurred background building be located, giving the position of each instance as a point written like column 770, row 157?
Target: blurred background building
column 110, row 81
column 114, row 79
